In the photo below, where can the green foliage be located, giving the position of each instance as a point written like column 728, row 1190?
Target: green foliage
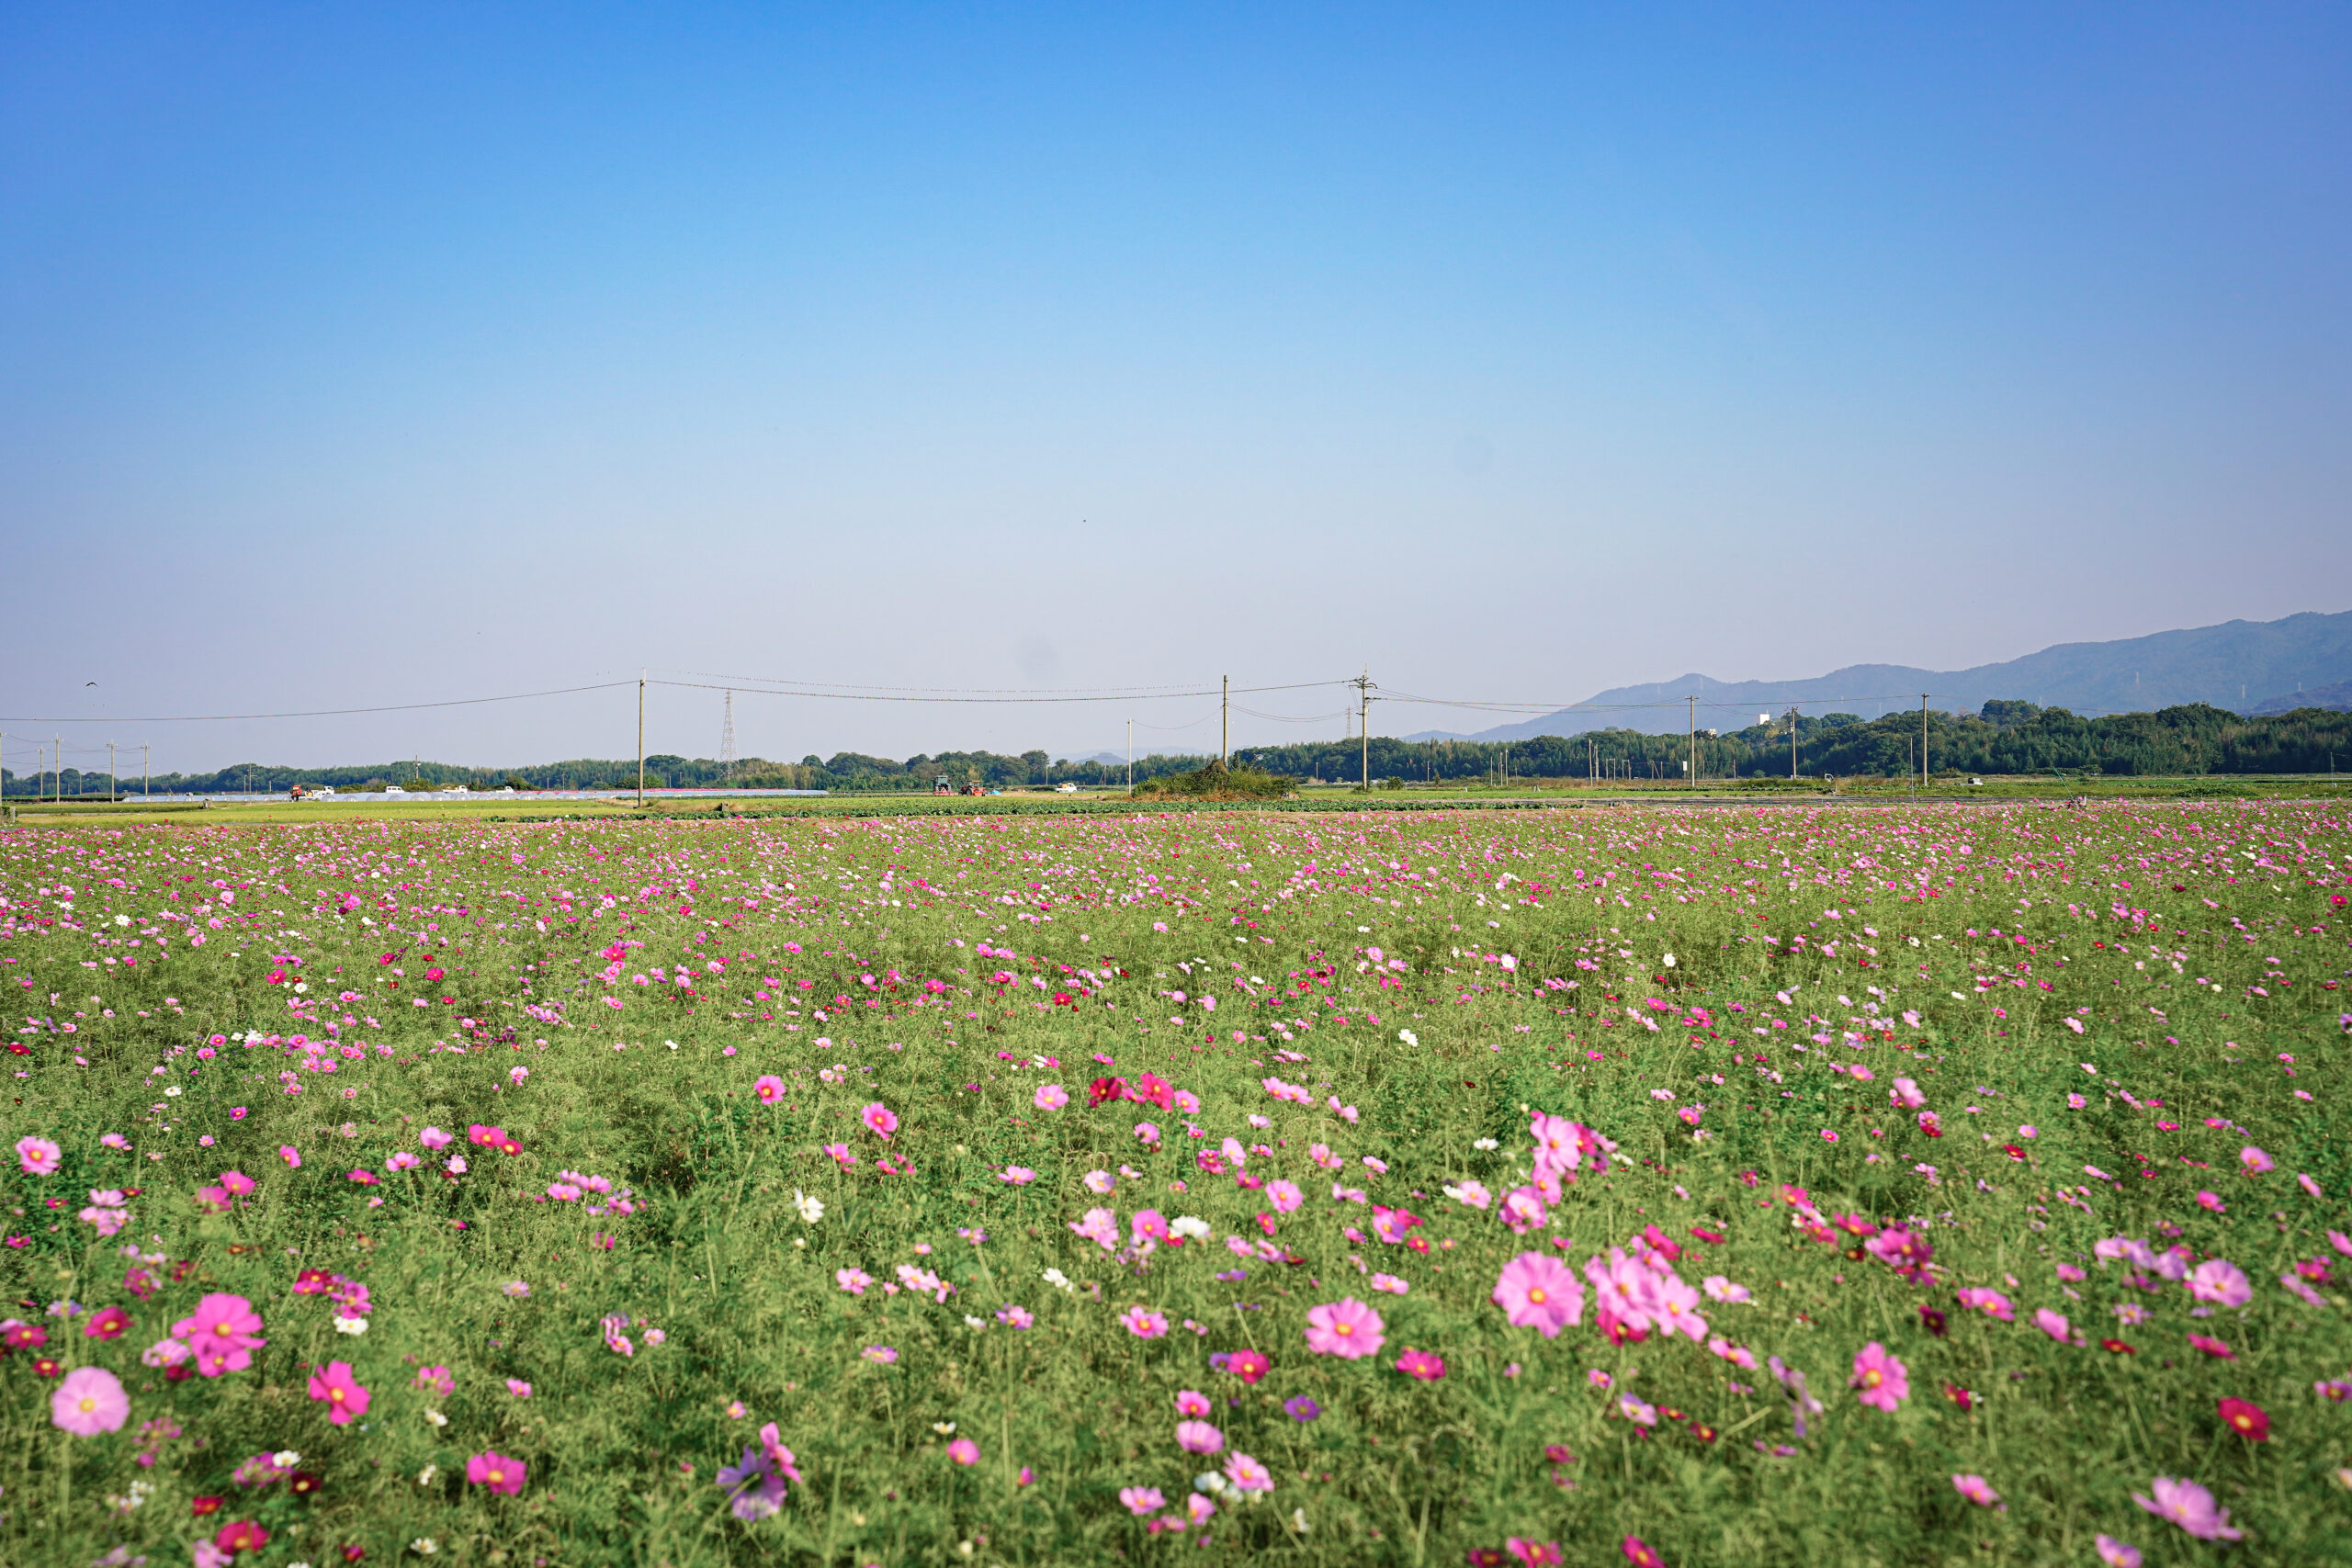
column 1214, row 780
column 848, row 967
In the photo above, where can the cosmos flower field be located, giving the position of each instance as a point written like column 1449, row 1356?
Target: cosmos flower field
column 1778, row 1185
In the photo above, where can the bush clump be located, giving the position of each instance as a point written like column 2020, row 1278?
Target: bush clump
column 1217, row 782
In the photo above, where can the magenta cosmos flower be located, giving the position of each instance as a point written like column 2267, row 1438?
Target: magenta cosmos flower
column 1424, row 1365
column 1144, row 1323
column 1540, row 1293
column 1881, row 1380
column 1977, row 1490
column 1191, row 1404
column 1347, row 1328
column 498, row 1473
column 88, row 1402
column 878, row 1120
column 964, row 1452
column 2190, row 1506
column 1247, row 1365
column 224, row 1332
column 769, row 1088
column 345, row 1400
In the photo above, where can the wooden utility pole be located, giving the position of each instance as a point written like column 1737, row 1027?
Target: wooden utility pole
column 1224, row 719
column 1694, row 743
column 1793, row 741
column 114, row 787
column 1923, row 742
column 640, row 736
column 145, row 773
column 1131, row 758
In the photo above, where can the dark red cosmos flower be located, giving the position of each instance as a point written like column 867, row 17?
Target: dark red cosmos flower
column 1960, row 1396
column 2118, row 1346
column 2248, row 1420
column 2013, row 1151
column 204, row 1507
column 1485, row 1557
column 48, row 1367
column 1102, row 1089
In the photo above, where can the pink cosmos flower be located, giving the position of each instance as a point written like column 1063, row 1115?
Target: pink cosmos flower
column 38, row 1155
column 1423, row 1365
column 292, row 1157
column 879, row 1120
column 435, row 1139
column 238, row 1184
column 345, row 1400
column 518, row 1388
column 108, row 1324
column 1142, row 1501
column 1247, row 1365
column 1976, row 1489
column 1144, row 1323
column 1284, row 1195
column 2053, row 1323
column 2222, row 1282
column 2252, row 1161
column 224, row 1332
column 1191, row 1404
column 88, row 1402
column 1199, row 1438
column 1536, row 1290
column 1639, row 1552
column 2115, row 1553
column 1247, row 1476
column 854, row 1280
column 1050, row 1097
column 2190, row 1506
column 1991, row 1302
column 1881, row 1381
column 2211, row 1200
column 498, row 1473
column 1523, row 1210
column 1348, row 1328
column 1017, row 1175
column 964, row 1452
column 769, row 1089
column 2212, row 1347
column 434, row 1379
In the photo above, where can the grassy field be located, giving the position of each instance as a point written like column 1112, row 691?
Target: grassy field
column 1925, row 1181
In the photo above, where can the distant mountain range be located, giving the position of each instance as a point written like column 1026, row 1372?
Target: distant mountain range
column 2251, row 667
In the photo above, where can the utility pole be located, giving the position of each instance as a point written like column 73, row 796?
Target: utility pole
column 145, row 773
column 1224, row 719
column 113, row 786
column 640, row 736
column 1362, row 684
column 1923, row 742
column 1131, row 758
column 1694, row 743
column 1793, row 741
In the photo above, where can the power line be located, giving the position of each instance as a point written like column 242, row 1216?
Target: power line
column 868, row 697
column 324, row 713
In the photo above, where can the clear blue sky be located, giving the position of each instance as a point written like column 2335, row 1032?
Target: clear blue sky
column 353, row 354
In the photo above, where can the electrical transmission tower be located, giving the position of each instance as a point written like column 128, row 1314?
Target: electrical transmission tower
column 727, row 742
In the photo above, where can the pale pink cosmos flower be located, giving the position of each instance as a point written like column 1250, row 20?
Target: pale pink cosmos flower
column 1879, row 1379
column 1347, row 1328
column 435, row 1139
column 1050, row 1097
column 1144, row 1323
column 1142, row 1501
column 964, row 1452
column 2222, row 1282
column 853, row 1279
column 2053, row 1323
column 1977, row 1490
column 1017, row 1175
column 1539, row 1292
column 878, row 1120
column 2253, row 1162
column 2116, row 1553
column 88, row 1402
column 38, row 1155
column 1199, row 1438
column 1284, row 1195
column 1192, row 1403
column 1098, row 1182
column 2190, row 1506
column 518, row 1388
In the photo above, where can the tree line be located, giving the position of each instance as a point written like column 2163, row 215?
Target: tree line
column 2003, row 737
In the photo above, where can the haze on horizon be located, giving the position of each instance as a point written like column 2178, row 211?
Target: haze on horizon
column 387, row 354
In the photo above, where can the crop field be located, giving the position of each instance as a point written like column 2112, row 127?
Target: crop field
column 1929, row 1184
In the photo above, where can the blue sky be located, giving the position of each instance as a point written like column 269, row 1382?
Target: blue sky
column 356, row 356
